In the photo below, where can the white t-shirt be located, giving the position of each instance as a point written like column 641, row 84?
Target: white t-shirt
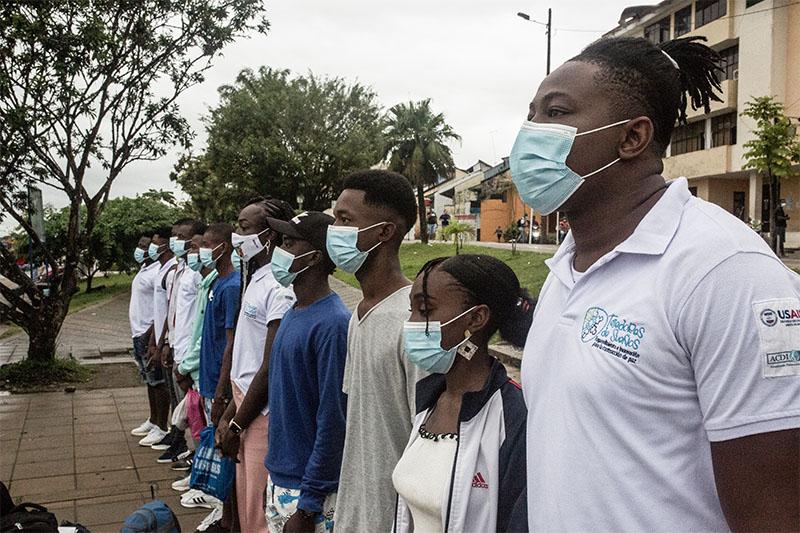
column 185, row 297
column 687, row 332
column 173, row 280
column 160, row 303
column 264, row 300
column 140, row 309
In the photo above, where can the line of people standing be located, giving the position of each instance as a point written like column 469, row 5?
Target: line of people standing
column 316, row 404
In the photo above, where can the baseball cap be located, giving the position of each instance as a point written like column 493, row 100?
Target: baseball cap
column 311, row 226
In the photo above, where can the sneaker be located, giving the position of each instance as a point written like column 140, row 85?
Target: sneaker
column 143, row 429
column 200, row 499
column 186, row 455
column 216, row 527
column 182, row 484
column 212, row 522
column 155, row 435
column 164, row 443
column 173, row 454
column 182, row 465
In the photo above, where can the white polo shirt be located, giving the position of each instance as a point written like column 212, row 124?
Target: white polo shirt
column 173, row 280
column 687, row 332
column 185, row 297
column 264, row 300
column 140, row 309
column 160, row 302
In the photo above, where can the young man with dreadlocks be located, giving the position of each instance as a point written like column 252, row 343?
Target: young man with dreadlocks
column 658, row 373
column 242, row 432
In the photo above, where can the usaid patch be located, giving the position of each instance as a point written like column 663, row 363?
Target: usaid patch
column 778, row 323
column 250, row 310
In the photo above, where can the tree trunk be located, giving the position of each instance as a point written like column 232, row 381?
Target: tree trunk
column 43, row 329
column 773, row 208
column 423, row 223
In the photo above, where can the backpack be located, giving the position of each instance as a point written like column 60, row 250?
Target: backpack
column 28, row 517
column 152, row 517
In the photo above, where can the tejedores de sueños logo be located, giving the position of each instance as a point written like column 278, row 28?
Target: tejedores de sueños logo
column 613, row 334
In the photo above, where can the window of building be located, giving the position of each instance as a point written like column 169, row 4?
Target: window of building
column 750, row 3
column 689, row 138
column 729, row 63
column 738, row 205
column 658, row 32
column 723, row 130
column 683, row 21
column 707, row 10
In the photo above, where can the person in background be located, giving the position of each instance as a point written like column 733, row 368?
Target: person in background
column 182, row 288
column 499, row 233
column 305, row 383
column 444, row 220
column 563, row 229
column 463, row 468
column 140, row 314
column 373, row 213
column 243, row 430
column 431, row 224
column 780, row 226
column 161, row 255
column 660, row 391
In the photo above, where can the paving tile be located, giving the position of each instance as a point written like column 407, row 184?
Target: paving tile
column 106, row 437
column 5, row 472
column 98, row 421
column 61, row 412
column 103, row 463
column 109, row 425
column 95, row 450
column 62, row 510
column 98, row 409
column 113, row 478
column 26, row 487
column 111, row 514
column 9, row 447
column 43, row 431
column 12, row 420
column 45, row 443
column 43, row 469
column 61, row 453
column 48, row 422
column 156, row 472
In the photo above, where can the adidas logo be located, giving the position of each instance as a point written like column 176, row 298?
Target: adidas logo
column 478, row 482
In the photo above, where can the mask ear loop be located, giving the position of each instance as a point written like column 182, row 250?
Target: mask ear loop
column 601, row 128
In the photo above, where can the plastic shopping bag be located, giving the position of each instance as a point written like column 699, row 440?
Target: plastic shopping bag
column 211, row 473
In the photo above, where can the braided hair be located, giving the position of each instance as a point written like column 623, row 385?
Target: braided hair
column 489, row 281
column 657, row 81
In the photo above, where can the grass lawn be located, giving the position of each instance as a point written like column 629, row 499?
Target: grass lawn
column 114, row 284
column 529, row 266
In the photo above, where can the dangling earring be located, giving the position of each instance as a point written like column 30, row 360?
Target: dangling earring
column 468, row 349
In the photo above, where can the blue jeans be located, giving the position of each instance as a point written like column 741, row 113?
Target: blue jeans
column 151, row 376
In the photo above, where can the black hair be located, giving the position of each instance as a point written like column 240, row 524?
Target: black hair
column 643, row 80
column 384, row 188
column 223, row 230
column 274, row 208
column 148, row 233
column 195, row 225
column 489, row 281
column 165, row 232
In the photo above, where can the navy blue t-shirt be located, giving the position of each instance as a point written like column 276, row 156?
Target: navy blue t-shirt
column 306, row 404
column 220, row 315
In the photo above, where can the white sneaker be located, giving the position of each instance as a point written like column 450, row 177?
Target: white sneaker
column 143, row 429
column 181, row 485
column 200, row 499
column 212, row 517
column 190, row 494
column 155, row 435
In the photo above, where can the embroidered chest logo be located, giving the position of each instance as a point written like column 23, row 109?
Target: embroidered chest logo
column 612, row 334
column 250, row 310
column 787, row 317
column 478, row 482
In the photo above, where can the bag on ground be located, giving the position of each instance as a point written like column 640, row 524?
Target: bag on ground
column 28, row 517
column 211, row 472
column 152, row 517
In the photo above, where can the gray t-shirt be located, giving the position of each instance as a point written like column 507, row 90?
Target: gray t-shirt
column 379, row 382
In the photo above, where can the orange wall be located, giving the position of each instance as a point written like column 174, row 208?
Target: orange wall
column 499, row 213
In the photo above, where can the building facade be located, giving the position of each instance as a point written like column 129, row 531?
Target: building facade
column 759, row 41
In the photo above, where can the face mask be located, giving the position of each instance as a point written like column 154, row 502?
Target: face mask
column 138, row 255
column 342, row 247
column 193, row 260
column 250, row 245
column 281, row 264
column 207, row 256
column 177, row 246
column 424, row 348
column 236, row 261
column 538, row 164
column 153, row 252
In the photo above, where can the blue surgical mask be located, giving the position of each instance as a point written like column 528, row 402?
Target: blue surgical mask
column 177, row 246
column 423, row 343
column 193, row 260
column 539, row 168
column 207, row 256
column 281, row 265
column 153, row 252
column 138, row 255
column 342, row 245
column 236, row 261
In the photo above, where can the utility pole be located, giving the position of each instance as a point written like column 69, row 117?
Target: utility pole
column 549, row 33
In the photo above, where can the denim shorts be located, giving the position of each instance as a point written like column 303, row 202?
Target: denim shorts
column 151, row 376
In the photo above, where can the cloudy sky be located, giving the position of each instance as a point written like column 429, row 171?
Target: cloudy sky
column 478, row 62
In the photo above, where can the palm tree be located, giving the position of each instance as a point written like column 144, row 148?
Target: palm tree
column 416, row 146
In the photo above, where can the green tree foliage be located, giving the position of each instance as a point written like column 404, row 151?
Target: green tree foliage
column 78, row 84
column 416, row 146
column 774, row 149
column 281, row 135
column 459, row 232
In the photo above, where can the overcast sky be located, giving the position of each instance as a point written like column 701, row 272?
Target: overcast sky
column 478, row 62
